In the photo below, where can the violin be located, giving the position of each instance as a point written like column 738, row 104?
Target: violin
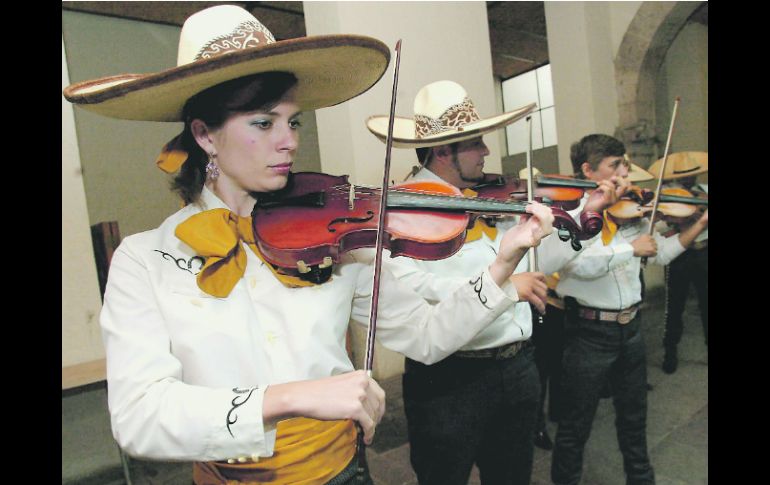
column 676, row 207
column 310, row 223
column 676, row 204
column 504, row 187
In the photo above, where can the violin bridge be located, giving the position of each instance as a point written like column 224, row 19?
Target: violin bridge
column 351, row 197
column 326, row 263
column 302, row 267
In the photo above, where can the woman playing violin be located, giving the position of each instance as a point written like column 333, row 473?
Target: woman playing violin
column 213, row 355
column 602, row 292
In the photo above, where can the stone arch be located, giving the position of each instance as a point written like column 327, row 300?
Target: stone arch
column 640, row 55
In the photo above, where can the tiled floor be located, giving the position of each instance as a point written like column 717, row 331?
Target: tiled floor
column 677, row 429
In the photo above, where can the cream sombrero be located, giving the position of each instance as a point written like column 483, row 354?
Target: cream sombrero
column 443, row 113
column 637, row 173
column 226, row 42
column 682, row 164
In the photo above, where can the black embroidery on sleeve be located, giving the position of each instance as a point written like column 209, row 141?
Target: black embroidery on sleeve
column 179, row 262
column 478, row 286
column 237, row 404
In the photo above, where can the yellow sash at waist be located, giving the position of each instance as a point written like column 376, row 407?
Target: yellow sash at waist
column 307, row 452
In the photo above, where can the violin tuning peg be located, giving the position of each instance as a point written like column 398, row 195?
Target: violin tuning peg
column 302, row 267
column 576, row 245
column 326, row 263
column 564, row 234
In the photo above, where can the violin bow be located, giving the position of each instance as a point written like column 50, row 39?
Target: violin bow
column 656, row 199
column 369, row 355
column 533, row 264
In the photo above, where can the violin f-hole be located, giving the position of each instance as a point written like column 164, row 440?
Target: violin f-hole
column 349, row 220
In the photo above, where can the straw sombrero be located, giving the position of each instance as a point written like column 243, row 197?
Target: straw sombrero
column 682, row 164
column 443, row 113
column 226, row 42
column 524, row 173
column 637, row 173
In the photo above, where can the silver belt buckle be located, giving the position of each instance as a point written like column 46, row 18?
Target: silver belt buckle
column 625, row 316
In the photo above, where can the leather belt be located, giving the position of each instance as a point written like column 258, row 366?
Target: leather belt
column 506, row 351
column 622, row 316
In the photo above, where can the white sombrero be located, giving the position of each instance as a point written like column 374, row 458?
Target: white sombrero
column 443, row 113
column 681, row 164
column 227, row 42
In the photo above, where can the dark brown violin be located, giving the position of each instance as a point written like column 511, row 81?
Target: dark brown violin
column 318, row 217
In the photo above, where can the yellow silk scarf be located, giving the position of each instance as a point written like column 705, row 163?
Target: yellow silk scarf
column 216, row 235
column 480, row 226
column 307, row 452
column 609, row 228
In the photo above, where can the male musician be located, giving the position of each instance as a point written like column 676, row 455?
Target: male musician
column 693, row 265
column 602, row 293
column 479, row 405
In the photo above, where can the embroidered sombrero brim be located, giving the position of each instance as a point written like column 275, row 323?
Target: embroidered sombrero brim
column 681, row 164
column 404, row 129
column 330, row 69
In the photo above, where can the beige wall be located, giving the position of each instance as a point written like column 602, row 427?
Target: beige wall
column 428, row 54
column 581, row 49
column 121, row 180
column 81, row 303
column 684, row 73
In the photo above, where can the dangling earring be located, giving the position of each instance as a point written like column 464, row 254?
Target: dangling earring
column 212, row 171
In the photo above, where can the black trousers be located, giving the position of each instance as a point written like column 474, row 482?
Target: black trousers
column 692, row 266
column 596, row 353
column 548, row 338
column 462, row 411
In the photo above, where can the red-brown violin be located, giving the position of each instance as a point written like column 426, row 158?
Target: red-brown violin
column 318, row 217
column 505, row 187
column 676, row 205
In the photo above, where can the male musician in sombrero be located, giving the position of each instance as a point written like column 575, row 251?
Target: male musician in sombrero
column 479, row 404
column 601, row 289
column 691, row 267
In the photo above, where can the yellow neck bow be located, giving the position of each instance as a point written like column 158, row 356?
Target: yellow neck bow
column 479, row 225
column 609, row 228
column 216, row 235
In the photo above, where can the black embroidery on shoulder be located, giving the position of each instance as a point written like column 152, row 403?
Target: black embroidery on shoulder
column 181, row 262
column 237, row 404
column 478, row 286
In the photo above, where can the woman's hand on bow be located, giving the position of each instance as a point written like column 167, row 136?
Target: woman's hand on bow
column 353, row 395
